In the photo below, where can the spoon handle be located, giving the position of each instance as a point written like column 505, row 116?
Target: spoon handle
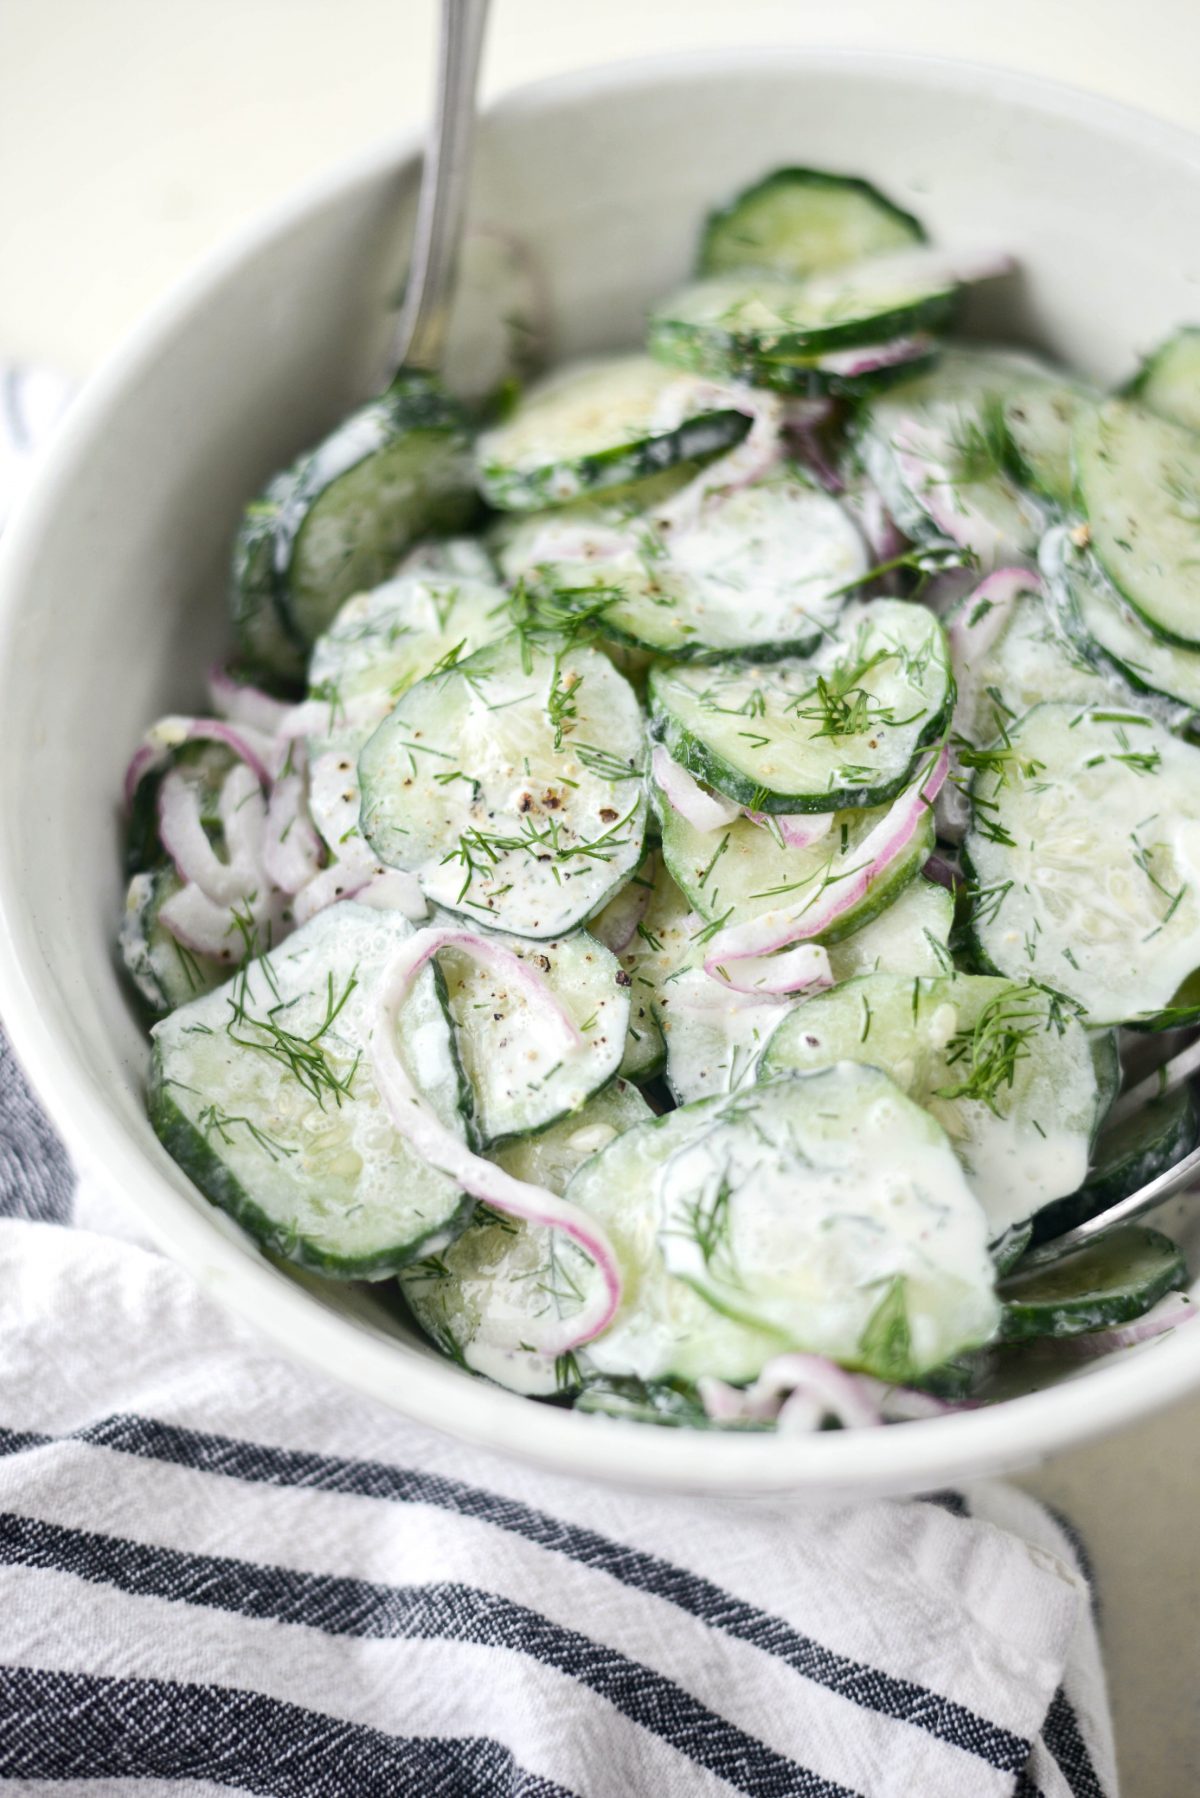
column 425, row 314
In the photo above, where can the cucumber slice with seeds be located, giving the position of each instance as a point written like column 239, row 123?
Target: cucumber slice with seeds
column 163, row 971
column 493, row 1286
column 383, row 640
column 798, row 221
column 1138, row 479
column 663, row 942
column 340, row 518
column 827, row 1209
column 1169, row 379
column 1006, row 1070
column 516, row 1088
column 511, row 785
column 601, row 424
column 724, row 325
column 262, row 1092
column 1109, row 1282
column 1103, row 627
column 843, row 727
column 760, row 570
column 1084, row 853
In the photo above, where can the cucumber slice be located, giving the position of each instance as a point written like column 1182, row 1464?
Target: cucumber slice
column 266, row 645
column 724, row 325
column 601, row 424
column 491, row 1287
column 676, row 1406
column 521, row 541
column 1013, row 412
column 798, row 221
column 511, row 784
column 516, row 1089
column 340, row 518
column 1128, row 1154
column 1094, row 615
column 1169, row 379
column 759, row 570
column 1139, row 484
column 663, row 943
column 714, row 1036
column 744, row 869
column 1110, row 1281
column 1004, row 666
column 910, row 936
column 840, row 728
column 664, row 1329
column 163, row 971
column 826, row 1208
column 1007, row 1073
column 262, row 1092
column 854, row 374
column 383, row 640
column 1084, row 852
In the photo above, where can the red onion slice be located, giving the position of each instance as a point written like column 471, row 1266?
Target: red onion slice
column 773, row 930
column 984, row 613
column 799, row 830
column 868, row 358
column 186, row 842
column 169, row 734
column 416, row 1121
column 240, row 703
column 206, row 928
column 684, row 794
column 797, row 1391
column 291, row 854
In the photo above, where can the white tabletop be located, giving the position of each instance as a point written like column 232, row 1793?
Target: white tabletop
column 136, row 134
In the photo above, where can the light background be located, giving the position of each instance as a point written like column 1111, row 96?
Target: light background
column 136, row 134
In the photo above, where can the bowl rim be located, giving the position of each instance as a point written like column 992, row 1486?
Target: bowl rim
column 923, row 1455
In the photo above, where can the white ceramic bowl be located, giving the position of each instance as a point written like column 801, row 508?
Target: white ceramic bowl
column 112, row 598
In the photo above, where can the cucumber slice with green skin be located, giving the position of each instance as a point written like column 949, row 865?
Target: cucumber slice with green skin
column 384, row 640
column 1084, row 858
column 1109, row 1282
column 519, row 1088
column 798, row 221
column 714, row 1036
column 664, row 1329
column 824, row 1208
column 742, row 870
column 1005, row 1069
column 759, row 570
column 1128, row 1154
column 341, row 517
column 511, row 784
column 266, row 646
column 846, row 374
column 262, row 1092
column 497, row 1282
column 1104, row 628
column 522, row 540
column 677, row 1406
column 840, row 728
column 1005, row 665
column 730, row 322
column 1169, row 379
column 910, row 936
column 163, row 971
column 1138, row 481
column 1007, row 1250
column 601, row 424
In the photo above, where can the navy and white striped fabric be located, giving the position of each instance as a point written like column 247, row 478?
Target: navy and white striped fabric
column 219, row 1573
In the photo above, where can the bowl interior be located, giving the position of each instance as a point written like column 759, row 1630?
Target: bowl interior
column 113, row 581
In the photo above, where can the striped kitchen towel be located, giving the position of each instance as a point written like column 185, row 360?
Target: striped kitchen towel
column 221, row 1572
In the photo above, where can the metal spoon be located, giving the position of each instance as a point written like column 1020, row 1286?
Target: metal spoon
column 425, row 314
column 1172, row 1180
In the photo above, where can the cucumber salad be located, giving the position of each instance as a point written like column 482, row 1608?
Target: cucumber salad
column 682, row 852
